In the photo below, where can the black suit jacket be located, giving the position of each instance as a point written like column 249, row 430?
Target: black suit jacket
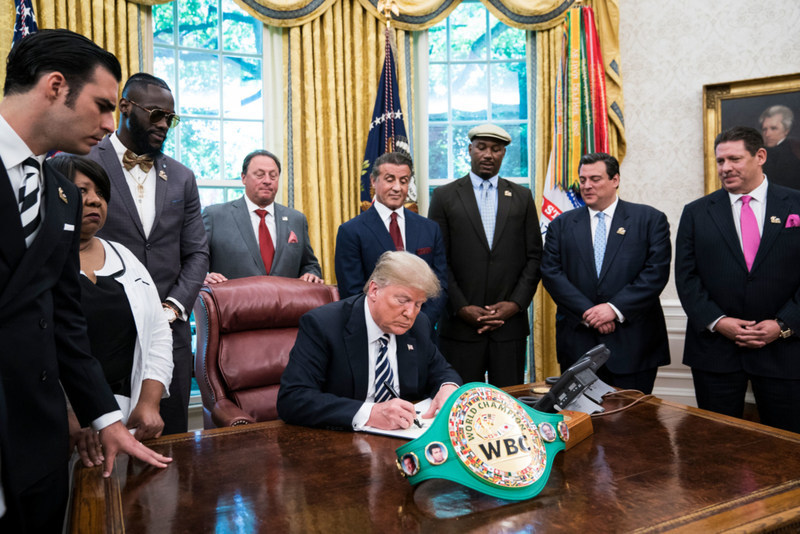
column 634, row 273
column 361, row 241
column 783, row 164
column 325, row 381
column 480, row 276
column 712, row 280
column 44, row 333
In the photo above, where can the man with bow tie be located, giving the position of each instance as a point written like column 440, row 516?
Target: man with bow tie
column 254, row 235
column 736, row 270
column 352, row 356
column 155, row 212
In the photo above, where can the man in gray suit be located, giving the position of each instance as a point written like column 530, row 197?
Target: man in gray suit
column 155, row 212
column 254, row 235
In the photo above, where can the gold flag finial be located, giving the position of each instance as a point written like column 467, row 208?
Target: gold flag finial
column 387, row 8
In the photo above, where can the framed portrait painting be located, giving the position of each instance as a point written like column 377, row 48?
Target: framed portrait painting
column 771, row 106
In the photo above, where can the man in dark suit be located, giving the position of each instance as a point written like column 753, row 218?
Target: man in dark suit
column 256, row 236
column 347, row 354
column 493, row 245
column 605, row 265
column 387, row 225
column 155, row 212
column 60, row 90
column 736, row 261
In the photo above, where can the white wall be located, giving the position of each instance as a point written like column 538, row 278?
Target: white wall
column 669, row 51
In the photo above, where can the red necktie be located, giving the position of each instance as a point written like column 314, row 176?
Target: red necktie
column 394, row 231
column 265, row 241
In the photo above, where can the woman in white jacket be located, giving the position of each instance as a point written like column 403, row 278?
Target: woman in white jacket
column 128, row 331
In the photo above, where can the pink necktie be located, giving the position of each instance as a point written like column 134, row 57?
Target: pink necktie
column 750, row 237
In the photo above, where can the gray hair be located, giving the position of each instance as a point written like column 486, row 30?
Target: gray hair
column 787, row 117
column 399, row 268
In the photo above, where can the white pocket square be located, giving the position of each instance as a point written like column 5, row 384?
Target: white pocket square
column 69, row 227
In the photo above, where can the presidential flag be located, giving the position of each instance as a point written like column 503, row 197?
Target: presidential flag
column 387, row 132
column 25, row 23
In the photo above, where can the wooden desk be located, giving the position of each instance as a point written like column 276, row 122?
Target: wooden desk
column 654, row 468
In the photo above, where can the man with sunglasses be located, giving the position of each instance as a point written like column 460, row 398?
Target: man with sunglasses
column 155, row 212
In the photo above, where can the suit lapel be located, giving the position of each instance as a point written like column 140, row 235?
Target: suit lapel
column 46, row 240
column 467, row 196
column 161, row 188
column 12, row 242
column 582, row 233
column 407, row 365
column 121, row 193
column 720, row 211
column 614, row 239
column 777, row 206
column 412, row 231
column 242, row 218
column 503, row 207
column 282, row 229
column 373, row 221
column 355, row 342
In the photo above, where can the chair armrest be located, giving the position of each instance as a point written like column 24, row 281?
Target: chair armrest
column 226, row 413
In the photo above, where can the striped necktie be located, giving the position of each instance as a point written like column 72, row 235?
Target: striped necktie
column 30, row 200
column 383, row 371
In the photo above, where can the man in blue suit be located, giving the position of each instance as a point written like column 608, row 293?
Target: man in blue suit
column 387, row 225
column 605, row 265
column 348, row 351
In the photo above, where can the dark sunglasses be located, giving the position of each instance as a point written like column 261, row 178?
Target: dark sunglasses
column 156, row 115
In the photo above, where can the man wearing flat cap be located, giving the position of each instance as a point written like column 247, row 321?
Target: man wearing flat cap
column 494, row 248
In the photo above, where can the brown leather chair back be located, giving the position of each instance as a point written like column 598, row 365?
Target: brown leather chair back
column 245, row 331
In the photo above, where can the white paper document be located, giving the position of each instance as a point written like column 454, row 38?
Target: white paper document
column 412, row 432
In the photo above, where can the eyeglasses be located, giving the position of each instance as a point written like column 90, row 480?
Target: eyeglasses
column 156, row 115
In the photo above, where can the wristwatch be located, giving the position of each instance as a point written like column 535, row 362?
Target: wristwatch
column 170, row 313
column 785, row 330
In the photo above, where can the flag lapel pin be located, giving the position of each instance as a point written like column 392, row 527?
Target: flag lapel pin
column 507, row 193
column 621, row 231
column 775, row 220
column 284, row 218
column 410, row 346
column 162, row 175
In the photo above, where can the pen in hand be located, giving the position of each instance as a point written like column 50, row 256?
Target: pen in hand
column 396, row 396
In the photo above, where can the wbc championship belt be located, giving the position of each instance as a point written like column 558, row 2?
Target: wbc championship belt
column 485, row 439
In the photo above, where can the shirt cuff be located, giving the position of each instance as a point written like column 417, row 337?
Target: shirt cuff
column 620, row 317
column 362, row 415
column 451, row 383
column 182, row 316
column 714, row 324
column 106, row 420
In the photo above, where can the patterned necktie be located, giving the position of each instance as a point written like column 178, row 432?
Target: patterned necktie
column 600, row 242
column 750, row 237
column 383, row 371
column 265, row 241
column 394, row 231
column 487, row 210
column 131, row 160
column 29, row 200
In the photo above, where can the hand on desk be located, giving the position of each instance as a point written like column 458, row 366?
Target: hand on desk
column 115, row 438
column 145, row 416
column 392, row 414
column 439, row 400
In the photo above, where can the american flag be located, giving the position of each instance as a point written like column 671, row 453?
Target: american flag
column 26, row 21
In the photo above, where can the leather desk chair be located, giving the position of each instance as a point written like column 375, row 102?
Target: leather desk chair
column 245, row 331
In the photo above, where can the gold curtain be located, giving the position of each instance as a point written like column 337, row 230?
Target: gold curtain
column 331, row 66
column 112, row 24
column 415, row 15
column 548, row 56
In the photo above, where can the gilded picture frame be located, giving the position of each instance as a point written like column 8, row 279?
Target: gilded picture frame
column 744, row 103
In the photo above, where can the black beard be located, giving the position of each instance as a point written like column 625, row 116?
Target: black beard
column 141, row 138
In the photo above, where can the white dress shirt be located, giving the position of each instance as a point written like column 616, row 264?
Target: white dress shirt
column 386, row 216
column 374, row 333
column 269, row 219
column 14, row 151
column 608, row 213
column 134, row 177
column 758, row 203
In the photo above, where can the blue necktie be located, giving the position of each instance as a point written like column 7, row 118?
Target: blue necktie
column 487, row 210
column 600, row 242
column 383, row 371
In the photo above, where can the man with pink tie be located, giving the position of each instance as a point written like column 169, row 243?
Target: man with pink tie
column 736, row 270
